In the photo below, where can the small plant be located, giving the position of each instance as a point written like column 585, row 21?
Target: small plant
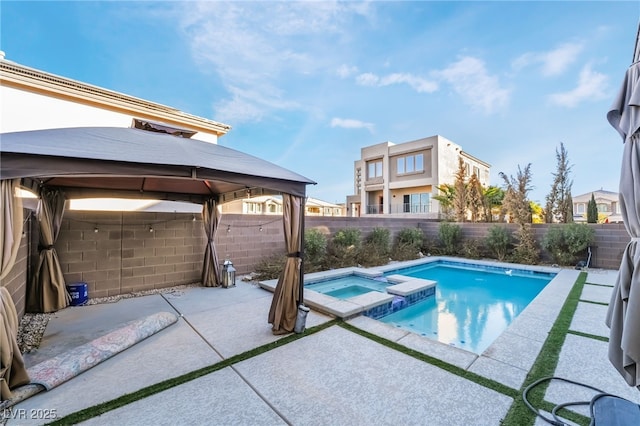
column 567, row 243
column 499, row 241
column 408, row 244
column 471, row 248
column 450, row 236
column 375, row 250
column 315, row 250
column 526, row 249
column 270, row 268
column 343, row 249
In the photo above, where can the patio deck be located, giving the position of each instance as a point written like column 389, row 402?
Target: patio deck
column 332, row 376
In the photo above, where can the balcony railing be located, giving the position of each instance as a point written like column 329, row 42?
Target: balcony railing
column 399, row 208
column 374, row 209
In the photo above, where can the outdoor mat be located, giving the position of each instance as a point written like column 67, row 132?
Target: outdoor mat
column 57, row 370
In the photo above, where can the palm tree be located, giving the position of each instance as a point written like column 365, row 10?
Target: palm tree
column 445, row 198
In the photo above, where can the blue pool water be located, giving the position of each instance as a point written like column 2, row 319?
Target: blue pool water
column 472, row 306
column 349, row 286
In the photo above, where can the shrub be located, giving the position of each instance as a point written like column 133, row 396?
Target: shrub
column 567, row 243
column 271, row 267
column 450, row 236
column 408, row 244
column 375, row 250
column 343, row 249
column 471, row 248
column 315, row 250
column 526, row 249
column 499, row 241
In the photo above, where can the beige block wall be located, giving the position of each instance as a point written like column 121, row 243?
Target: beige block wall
column 16, row 280
column 123, row 256
column 115, row 252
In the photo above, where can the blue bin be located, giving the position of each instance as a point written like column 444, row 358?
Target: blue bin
column 79, row 294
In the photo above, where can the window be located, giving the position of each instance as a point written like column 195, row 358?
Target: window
column 580, row 208
column 603, row 208
column 410, row 164
column 374, row 169
column 416, row 203
column 254, row 207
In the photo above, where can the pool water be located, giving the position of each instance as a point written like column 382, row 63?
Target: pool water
column 472, row 306
column 349, row 286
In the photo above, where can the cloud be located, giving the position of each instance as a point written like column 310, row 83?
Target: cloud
column 418, row 84
column 254, row 50
column 553, row 62
column 349, row 123
column 345, row 71
column 470, row 79
column 591, row 86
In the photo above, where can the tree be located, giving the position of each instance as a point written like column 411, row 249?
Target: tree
column 559, row 204
column 476, row 199
column 460, row 199
column 537, row 212
column 493, row 196
column 517, row 205
column 592, row 210
column 445, row 198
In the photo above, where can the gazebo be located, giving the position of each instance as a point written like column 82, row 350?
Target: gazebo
column 158, row 162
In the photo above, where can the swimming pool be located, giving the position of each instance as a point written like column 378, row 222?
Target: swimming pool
column 473, row 304
column 348, row 286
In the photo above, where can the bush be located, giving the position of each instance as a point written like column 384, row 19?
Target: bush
column 408, row 244
column 499, row 241
column 315, row 250
column 375, row 250
column 526, row 247
column 450, row 236
column 471, row 249
column 343, row 249
column 271, row 267
column 567, row 243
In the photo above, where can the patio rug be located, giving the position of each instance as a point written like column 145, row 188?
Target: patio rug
column 65, row 366
column 57, row 370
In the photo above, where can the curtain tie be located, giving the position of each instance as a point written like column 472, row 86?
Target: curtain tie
column 41, row 248
column 295, row 254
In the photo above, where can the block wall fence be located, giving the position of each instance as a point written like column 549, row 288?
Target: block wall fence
column 123, row 252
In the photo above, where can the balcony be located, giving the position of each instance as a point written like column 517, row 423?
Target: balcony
column 399, row 209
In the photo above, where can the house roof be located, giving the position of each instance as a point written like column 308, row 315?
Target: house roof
column 599, row 194
column 126, row 162
column 31, row 79
column 278, row 200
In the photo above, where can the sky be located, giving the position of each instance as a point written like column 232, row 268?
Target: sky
column 306, row 85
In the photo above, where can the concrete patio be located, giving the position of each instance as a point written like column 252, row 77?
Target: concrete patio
column 333, row 376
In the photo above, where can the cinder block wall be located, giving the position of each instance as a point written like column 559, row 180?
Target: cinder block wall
column 16, row 280
column 123, row 256
column 117, row 252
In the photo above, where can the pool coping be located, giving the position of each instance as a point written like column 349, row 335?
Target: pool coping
column 507, row 360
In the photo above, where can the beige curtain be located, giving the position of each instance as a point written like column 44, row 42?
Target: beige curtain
column 48, row 292
column 210, row 267
column 284, row 306
column 10, row 225
column 12, row 369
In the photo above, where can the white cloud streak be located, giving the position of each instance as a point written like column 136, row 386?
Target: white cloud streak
column 592, row 86
column 470, row 79
column 419, row 84
column 253, row 47
column 349, row 123
column 553, row 62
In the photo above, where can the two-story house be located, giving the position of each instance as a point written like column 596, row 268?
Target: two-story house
column 402, row 179
column 607, row 202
